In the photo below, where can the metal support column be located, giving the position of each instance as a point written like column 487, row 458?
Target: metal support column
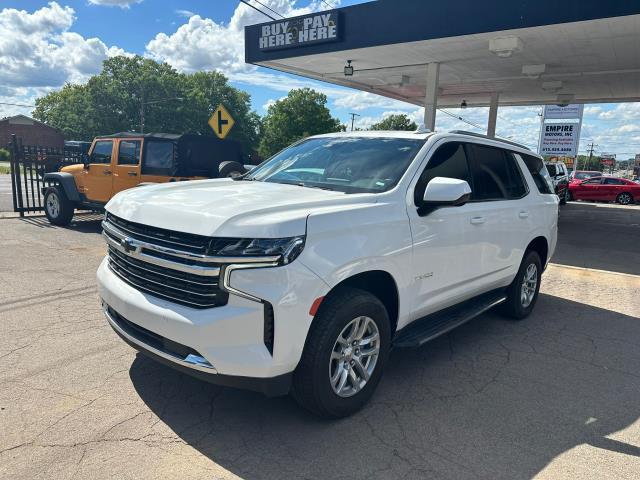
column 431, row 96
column 493, row 115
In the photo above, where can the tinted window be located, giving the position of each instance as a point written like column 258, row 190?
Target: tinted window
column 538, row 171
column 613, row 181
column 102, row 152
column 552, row 170
column 585, row 175
column 129, row 152
column 345, row 164
column 449, row 161
column 495, row 174
column 158, row 158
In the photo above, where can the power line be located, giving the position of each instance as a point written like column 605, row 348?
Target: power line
column 328, row 4
column 257, row 9
column 269, row 8
column 17, row 105
column 453, row 115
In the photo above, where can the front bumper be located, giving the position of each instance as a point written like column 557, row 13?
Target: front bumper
column 225, row 343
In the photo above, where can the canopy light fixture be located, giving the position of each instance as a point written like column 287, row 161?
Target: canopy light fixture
column 463, row 104
column 504, row 47
column 534, row 71
column 348, row 69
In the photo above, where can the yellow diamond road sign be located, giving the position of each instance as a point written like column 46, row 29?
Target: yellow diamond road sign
column 221, row 121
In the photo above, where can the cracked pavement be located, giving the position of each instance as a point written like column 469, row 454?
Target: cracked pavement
column 554, row 396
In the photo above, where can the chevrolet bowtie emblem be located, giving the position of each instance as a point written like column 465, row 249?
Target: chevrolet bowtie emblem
column 129, row 245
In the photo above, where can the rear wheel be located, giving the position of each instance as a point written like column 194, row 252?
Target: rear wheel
column 624, row 198
column 230, row 170
column 522, row 294
column 345, row 353
column 566, row 196
column 57, row 207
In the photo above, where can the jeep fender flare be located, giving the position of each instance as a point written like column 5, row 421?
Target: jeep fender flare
column 66, row 181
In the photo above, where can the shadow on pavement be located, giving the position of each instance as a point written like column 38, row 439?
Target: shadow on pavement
column 600, row 236
column 82, row 222
column 492, row 399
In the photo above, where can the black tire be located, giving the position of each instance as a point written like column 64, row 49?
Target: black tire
column 312, row 386
column 566, row 196
column 624, row 198
column 515, row 307
column 230, row 169
column 57, row 207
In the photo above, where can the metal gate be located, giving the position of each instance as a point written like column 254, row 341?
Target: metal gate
column 28, row 164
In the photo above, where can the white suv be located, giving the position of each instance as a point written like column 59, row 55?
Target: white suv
column 301, row 275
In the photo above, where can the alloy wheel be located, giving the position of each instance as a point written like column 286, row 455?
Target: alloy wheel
column 354, row 356
column 529, row 285
column 53, row 205
column 624, row 199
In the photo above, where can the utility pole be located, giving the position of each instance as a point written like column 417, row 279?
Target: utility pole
column 591, row 148
column 353, row 117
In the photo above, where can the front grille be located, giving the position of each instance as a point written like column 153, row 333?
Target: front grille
column 187, row 242
column 196, row 291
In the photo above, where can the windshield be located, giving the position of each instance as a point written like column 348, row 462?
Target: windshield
column 345, row 164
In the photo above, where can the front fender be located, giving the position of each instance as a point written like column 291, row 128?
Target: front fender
column 66, row 181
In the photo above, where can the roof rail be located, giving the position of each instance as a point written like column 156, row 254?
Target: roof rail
column 480, row 135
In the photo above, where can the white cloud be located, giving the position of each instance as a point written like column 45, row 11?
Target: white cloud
column 114, row 3
column 359, row 101
column 38, row 50
column 185, row 13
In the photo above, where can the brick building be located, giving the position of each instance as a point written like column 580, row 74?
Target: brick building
column 32, row 132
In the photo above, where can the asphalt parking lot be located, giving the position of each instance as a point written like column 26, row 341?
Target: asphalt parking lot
column 555, row 396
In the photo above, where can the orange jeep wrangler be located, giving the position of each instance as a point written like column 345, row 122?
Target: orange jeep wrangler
column 125, row 160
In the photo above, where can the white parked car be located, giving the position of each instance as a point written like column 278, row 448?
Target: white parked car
column 301, row 275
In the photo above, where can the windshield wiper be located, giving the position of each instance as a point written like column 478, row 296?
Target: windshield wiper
column 302, row 184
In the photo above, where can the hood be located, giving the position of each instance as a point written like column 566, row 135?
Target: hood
column 73, row 169
column 228, row 208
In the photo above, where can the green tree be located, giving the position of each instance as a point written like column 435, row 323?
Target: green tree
column 4, row 155
column 301, row 114
column 173, row 102
column 395, row 122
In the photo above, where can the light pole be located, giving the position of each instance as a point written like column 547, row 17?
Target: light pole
column 142, row 105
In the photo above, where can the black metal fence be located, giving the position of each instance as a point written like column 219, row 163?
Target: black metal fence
column 28, row 164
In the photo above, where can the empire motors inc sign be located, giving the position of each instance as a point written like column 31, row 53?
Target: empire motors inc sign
column 299, row 31
column 560, row 139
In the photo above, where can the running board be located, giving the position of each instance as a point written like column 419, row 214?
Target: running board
column 427, row 328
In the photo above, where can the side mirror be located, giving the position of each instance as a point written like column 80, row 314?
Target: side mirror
column 446, row 192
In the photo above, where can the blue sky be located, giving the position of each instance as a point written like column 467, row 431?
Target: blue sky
column 45, row 44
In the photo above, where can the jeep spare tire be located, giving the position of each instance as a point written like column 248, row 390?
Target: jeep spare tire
column 230, row 170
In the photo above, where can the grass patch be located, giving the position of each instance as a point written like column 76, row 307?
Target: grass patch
column 4, row 170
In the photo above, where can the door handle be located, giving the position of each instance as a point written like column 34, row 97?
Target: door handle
column 107, row 172
column 523, row 214
column 132, row 174
column 477, row 220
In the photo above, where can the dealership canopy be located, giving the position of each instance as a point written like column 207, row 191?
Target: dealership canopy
column 517, row 52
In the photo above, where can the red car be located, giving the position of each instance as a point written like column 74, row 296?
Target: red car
column 605, row 189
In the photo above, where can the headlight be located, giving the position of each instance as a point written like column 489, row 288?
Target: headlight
column 287, row 248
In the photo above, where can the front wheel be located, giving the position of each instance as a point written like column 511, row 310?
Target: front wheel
column 522, row 294
column 344, row 355
column 624, row 198
column 230, row 169
column 57, row 207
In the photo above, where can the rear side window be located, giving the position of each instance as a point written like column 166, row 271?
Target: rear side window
column 495, row 174
column 158, row 158
column 538, row 171
column 102, row 152
column 129, row 152
column 613, row 181
column 449, row 161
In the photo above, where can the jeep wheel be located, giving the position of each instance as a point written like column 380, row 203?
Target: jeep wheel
column 624, row 198
column 522, row 294
column 230, row 170
column 57, row 207
column 344, row 355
